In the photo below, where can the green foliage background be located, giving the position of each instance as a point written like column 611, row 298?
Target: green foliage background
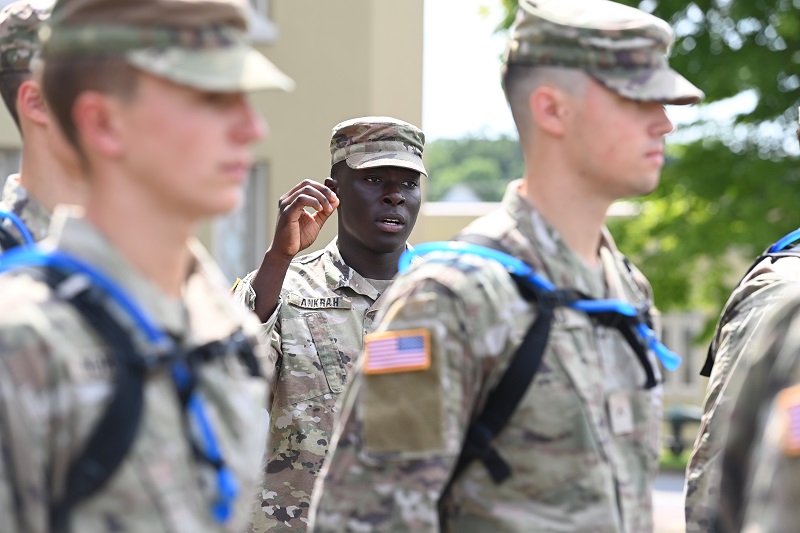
column 486, row 166
column 733, row 189
column 728, row 189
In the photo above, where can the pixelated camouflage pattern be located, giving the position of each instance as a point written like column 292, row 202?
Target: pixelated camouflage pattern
column 760, row 483
column 151, row 13
column 17, row 200
column 736, row 343
column 326, row 307
column 624, row 48
column 378, row 141
column 117, row 38
column 570, row 472
column 19, row 33
column 198, row 43
column 57, row 376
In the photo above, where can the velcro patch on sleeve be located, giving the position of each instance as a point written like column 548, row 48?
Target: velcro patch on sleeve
column 788, row 402
column 397, row 351
column 403, row 411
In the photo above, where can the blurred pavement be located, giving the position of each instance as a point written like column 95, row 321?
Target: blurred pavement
column 668, row 503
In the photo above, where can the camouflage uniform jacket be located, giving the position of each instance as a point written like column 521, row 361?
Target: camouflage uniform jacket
column 736, row 339
column 575, row 467
column 17, row 200
column 57, row 377
column 760, row 479
column 325, row 309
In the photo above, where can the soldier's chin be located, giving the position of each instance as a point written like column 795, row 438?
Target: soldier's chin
column 221, row 205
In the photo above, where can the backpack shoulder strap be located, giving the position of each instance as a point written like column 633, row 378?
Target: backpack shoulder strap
column 113, row 435
column 708, row 365
column 506, row 396
column 7, row 239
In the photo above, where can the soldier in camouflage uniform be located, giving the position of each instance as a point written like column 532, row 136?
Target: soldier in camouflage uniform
column 151, row 94
column 585, row 80
column 44, row 180
column 319, row 306
column 733, row 350
column 759, row 469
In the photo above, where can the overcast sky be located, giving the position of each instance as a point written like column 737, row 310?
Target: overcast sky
column 461, row 91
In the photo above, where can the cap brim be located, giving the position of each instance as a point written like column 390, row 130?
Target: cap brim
column 657, row 85
column 386, row 159
column 236, row 68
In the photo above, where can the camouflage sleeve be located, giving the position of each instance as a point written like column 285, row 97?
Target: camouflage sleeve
column 736, row 345
column 29, row 409
column 268, row 334
column 767, row 374
column 400, row 433
column 243, row 292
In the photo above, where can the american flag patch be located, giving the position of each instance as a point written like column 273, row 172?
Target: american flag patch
column 789, row 406
column 397, row 351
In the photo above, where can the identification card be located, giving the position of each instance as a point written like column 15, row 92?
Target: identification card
column 620, row 412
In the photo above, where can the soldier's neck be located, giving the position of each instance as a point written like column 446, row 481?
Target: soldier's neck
column 152, row 240
column 47, row 180
column 577, row 215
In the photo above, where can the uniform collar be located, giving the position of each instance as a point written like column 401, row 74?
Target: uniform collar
column 181, row 318
column 550, row 253
column 17, row 200
column 339, row 274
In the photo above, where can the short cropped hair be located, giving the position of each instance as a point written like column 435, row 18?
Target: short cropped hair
column 64, row 79
column 10, row 83
column 519, row 81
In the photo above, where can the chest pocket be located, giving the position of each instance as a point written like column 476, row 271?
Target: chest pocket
column 311, row 364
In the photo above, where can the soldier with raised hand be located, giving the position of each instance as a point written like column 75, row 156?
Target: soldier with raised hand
column 317, row 307
column 132, row 393
column 44, row 180
column 758, row 471
column 586, row 81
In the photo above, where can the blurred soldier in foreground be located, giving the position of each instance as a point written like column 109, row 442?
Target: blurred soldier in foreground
column 585, row 80
column 44, row 180
column 320, row 305
column 760, row 479
column 131, row 388
column 769, row 282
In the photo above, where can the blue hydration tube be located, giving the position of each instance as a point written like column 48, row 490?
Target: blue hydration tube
column 784, row 242
column 17, row 222
column 34, row 256
column 670, row 360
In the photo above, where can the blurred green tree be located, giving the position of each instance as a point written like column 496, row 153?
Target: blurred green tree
column 484, row 165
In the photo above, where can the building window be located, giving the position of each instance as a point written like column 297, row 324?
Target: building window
column 262, row 30
column 239, row 238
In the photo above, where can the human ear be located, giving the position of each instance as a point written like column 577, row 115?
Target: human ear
column 31, row 104
column 98, row 124
column 333, row 184
column 549, row 108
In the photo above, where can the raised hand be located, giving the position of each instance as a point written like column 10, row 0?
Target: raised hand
column 296, row 230
column 301, row 214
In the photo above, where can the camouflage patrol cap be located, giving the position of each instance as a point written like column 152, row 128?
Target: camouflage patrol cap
column 369, row 142
column 19, row 33
column 623, row 48
column 197, row 43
